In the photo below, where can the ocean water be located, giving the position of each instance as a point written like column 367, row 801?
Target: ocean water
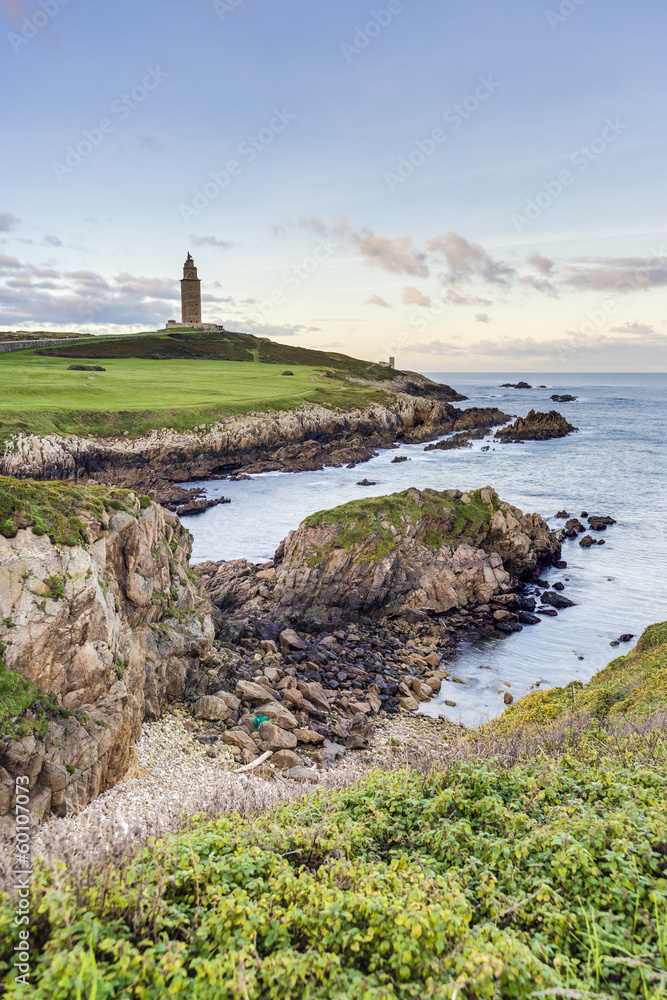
column 614, row 465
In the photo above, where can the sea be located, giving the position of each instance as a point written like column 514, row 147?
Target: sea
column 615, row 464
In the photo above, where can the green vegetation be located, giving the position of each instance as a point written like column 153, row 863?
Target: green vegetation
column 473, row 881
column 176, row 381
column 632, row 685
column 378, row 523
column 59, row 510
column 23, row 709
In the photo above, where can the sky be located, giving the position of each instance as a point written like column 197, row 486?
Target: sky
column 465, row 187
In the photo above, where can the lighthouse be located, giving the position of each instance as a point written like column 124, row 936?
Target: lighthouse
column 190, row 294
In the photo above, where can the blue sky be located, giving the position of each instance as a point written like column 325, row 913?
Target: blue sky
column 476, row 186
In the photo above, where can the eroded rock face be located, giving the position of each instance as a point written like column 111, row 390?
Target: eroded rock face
column 303, row 439
column 109, row 630
column 419, row 550
column 536, row 426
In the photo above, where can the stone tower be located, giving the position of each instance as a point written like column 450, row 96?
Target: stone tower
column 190, row 294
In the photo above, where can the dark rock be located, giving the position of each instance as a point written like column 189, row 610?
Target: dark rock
column 527, row 604
column 586, row 542
column 199, row 506
column 584, row 513
column 561, row 564
column 367, row 482
column 399, row 458
column 564, row 399
column 626, row 638
column 557, row 601
column 562, row 513
column 601, row 541
column 551, row 612
column 536, row 426
column 599, row 523
column 559, row 586
column 515, row 385
column 527, row 619
column 288, row 373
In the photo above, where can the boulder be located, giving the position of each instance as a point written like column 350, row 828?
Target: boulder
column 279, row 715
column 252, row 692
column 276, row 738
column 212, row 708
column 314, row 692
column 239, row 738
column 556, row 600
column 290, row 641
column 286, row 759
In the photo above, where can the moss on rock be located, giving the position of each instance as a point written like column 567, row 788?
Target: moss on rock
column 377, row 524
column 60, row 510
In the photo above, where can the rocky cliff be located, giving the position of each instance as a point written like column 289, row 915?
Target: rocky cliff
column 412, row 551
column 100, row 623
column 306, row 438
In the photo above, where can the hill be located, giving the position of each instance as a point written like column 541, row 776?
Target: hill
column 181, row 381
column 219, row 346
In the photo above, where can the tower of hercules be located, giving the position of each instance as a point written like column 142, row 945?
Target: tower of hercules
column 190, row 294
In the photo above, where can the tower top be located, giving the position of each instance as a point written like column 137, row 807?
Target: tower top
column 189, row 258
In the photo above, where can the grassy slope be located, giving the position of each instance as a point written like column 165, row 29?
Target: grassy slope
column 632, row 685
column 548, row 878
column 39, row 395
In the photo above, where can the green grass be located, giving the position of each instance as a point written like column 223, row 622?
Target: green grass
column 632, row 685
column 444, row 519
column 472, row 882
column 19, row 696
column 39, row 395
column 60, row 510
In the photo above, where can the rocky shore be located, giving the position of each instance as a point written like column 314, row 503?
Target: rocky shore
column 309, row 437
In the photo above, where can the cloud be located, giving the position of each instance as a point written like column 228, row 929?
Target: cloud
column 413, row 297
column 636, row 329
column 539, row 285
column 7, row 221
column 594, row 352
column 210, row 241
column 454, row 298
column 621, row 275
column 483, row 318
column 377, row 300
column 54, row 241
column 398, row 255
column 541, row 264
column 8, row 263
column 438, row 347
column 467, row 260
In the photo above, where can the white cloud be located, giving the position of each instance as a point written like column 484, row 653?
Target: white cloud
column 210, row 241
column 413, row 297
column 377, row 300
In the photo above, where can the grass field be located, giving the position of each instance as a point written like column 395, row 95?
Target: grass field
column 39, row 395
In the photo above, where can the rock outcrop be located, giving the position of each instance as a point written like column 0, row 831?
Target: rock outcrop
column 101, row 622
column 536, row 426
column 306, row 438
column 416, row 550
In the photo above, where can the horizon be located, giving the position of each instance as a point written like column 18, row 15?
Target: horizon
column 392, row 180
